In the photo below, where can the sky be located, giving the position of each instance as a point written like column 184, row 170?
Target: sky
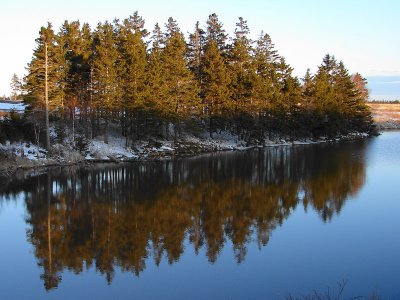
column 362, row 33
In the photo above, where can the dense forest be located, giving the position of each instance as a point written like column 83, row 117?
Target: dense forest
column 160, row 84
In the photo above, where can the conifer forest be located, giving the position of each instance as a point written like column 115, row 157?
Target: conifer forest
column 160, row 84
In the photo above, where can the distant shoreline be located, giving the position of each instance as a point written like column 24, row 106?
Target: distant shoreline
column 386, row 115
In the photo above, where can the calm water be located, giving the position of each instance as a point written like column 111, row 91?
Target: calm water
column 258, row 224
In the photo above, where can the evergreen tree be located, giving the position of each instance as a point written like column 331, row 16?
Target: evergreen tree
column 133, row 62
column 171, row 27
column 329, row 65
column 353, row 108
column 115, row 74
column 289, row 86
column 16, row 87
column 265, row 60
column 76, row 43
column 307, row 87
column 155, row 75
column 43, row 90
column 215, row 32
column 216, row 82
column 181, row 94
column 86, row 74
column 105, row 72
column 360, row 84
column 326, row 105
column 324, row 94
column 196, row 50
column 241, row 69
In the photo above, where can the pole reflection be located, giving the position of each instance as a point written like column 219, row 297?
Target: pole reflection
column 119, row 217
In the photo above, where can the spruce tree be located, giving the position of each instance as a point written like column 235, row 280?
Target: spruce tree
column 181, row 95
column 326, row 106
column 105, row 72
column 76, row 50
column 133, row 63
column 354, row 111
column 155, row 75
column 216, row 82
column 216, row 33
column 265, row 60
column 43, row 91
column 86, row 80
column 196, row 50
column 360, row 84
column 16, row 87
column 241, row 69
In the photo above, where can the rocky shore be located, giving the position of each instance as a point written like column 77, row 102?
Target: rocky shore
column 27, row 157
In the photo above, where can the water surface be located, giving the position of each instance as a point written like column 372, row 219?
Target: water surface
column 258, row 224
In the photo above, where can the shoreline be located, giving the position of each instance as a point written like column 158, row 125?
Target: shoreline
column 14, row 164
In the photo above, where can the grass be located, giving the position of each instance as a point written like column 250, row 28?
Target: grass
column 383, row 112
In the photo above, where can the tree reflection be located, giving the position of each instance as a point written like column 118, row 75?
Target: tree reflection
column 122, row 216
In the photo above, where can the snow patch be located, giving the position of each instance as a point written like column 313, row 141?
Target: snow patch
column 27, row 150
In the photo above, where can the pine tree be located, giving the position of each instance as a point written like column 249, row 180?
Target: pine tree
column 360, row 84
column 86, row 78
column 105, row 72
column 154, row 69
column 216, row 82
column 181, row 94
column 326, row 106
column 289, row 86
column 196, row 50
column 329, row 65
column 265, row 60
column 133, row 63
column 307, row 87
column 353, row 108
column 155, row 75
column 76, row 43
column 16, row 87
column 241, row 69
column 215, row 32
column 43, row 90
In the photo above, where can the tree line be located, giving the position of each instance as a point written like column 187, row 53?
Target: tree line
column 121, row 74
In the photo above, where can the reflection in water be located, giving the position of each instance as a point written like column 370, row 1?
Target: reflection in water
column 121, row 216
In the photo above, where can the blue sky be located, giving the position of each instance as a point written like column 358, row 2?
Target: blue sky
column 362, row 33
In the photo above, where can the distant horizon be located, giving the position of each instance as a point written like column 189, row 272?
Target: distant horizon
column 384, row 87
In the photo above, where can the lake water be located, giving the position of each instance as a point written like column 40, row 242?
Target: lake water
column 257, row 224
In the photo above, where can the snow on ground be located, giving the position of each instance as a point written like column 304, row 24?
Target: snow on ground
column 115, row 148
column 27, row 150
column 221, row 140
column 152, row 148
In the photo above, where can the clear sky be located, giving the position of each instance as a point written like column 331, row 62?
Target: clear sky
column 365, row 34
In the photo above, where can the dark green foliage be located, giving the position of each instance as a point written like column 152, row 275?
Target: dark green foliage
column 114, row 75
column 82, row 143
column 15, row 128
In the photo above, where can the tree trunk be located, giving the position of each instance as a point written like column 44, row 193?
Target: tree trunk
column 46, row 97
column 211, row 125
column 73, row 127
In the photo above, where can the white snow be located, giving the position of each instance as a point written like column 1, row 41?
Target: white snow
column 115, row 148
column 27, row 150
